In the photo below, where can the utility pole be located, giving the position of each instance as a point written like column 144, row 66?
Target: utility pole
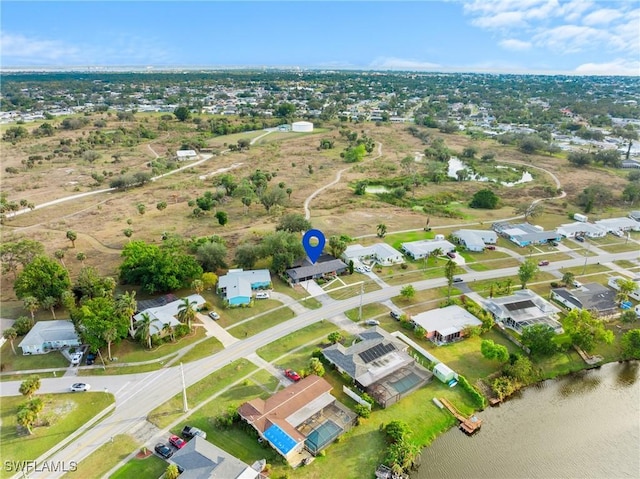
column 185, row 408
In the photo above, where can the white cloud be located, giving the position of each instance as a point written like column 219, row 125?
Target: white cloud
column 392, row 63
column 617, row 67
column 514, row 44
column 34, row 50
column 501, row 20
column 604, row 16
column 573, row 10
column 574, row 38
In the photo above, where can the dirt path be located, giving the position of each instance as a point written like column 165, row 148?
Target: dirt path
column 307, row 211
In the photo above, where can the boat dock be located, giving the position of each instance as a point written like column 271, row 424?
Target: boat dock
column 467, row 425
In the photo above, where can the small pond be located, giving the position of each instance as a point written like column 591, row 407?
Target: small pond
column 455, row 165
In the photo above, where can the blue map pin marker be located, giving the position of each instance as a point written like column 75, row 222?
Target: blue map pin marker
column 313, row 251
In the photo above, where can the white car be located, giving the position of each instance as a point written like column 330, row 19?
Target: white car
column 360, row 269
column 76, row 358
column 367, row 268
column 79, row 387
column 372, row 322
column 262, row 295
column 577, row 284
column 214, row 315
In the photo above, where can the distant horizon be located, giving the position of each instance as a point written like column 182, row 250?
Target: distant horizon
column 532, row 37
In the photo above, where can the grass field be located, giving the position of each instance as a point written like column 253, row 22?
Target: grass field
column 140, row 368
column 20, row 362
column 261, row 323
column 128, row 351
column 66, row 412
column 151, row 466
column 206, row 348
column 305, row 335
column 104, row 458
column 368, row 311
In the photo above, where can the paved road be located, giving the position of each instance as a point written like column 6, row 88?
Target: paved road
column 138, row 394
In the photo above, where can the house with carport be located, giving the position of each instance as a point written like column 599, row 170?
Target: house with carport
column 237, row 286
column 475, row 240
column 167, row 313
column 304, row 270
column 301, row 417
column 593, row 297
column 424, row 248
column 445, row 325
column 525, row 234
column 579, row 228
column 47, row 336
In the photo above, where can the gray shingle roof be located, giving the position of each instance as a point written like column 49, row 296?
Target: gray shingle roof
column 202, row 460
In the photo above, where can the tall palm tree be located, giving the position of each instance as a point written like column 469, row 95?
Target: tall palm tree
column 11, row 334
column 50, row 303
column 59, row 254
column 31, row 304
column 186, row 312
column 381, row 230
column 167, row 329
column 449, row 271
column 626, row 287
column 144, row 329
column 109, row 335
column 127, row 305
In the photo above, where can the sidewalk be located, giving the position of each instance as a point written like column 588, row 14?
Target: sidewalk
column 216, row 331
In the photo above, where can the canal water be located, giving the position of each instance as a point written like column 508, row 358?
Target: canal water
column 582, row 426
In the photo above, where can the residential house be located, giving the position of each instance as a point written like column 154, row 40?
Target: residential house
column 167, row 313
column 304, row 415
column 612, row 225
column 380, row 365
column 326, row 265
column 591, row 296
column 423, row 248
column 578, row 228
column 380, row 253
column 445, row 325
column 237, row 286
column 613, row 283
column 523, row 308
column 635, row 215
column 199, row 459
column 475, row 240
column 525, row 234
column 46, row 336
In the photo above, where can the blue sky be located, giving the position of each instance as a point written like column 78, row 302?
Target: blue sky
column 537, row 36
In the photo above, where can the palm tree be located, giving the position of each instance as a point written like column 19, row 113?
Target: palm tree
column 10, row 334
column 50, row 303
column 626, row 287
column 449, row 271
column 59, row 254
column 72, row 236
column 127, row 305
column 381, row 230
column 437, row 252
column 109, row 335
column 167, row 329
column 144, row 329
column 81, row 257
column 186, row 312
column 568, row 277
column 31, row 304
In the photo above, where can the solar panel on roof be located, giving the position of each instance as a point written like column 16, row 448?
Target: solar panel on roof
column 520, row 305
column 376, row 352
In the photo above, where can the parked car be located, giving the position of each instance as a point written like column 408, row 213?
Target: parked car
column 291, row 374
column 395, row 315
column 577, row 284
column 214, row 315
column 360, row 269
column 367, row 268
column 372, row 322
column 262, row 295
column 544, row 262
column 79, row 387
column 91, row 358
column 580, row 238
column 164, row 450
column 76, row 358
column 451, row 254
column 458, row 280
column 190, row 431
column 176, row 441
column 491, row 247
column 553, row 243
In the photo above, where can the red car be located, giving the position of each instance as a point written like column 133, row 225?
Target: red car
column 291, row 374
column 177, row 442
column 543, row 263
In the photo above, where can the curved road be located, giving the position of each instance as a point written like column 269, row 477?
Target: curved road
column 138, row 394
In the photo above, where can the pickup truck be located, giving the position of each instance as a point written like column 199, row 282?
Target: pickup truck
column 190, row 431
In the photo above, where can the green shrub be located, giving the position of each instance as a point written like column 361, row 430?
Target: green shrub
column 479, row 400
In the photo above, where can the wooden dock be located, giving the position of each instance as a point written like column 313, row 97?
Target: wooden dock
column 467, row 425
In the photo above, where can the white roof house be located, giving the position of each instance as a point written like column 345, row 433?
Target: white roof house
column 445, row 324
column 167, row 314
column 186, row 154
column 382, row 253
column 523, row 308
column 570, row 230
column 423, row 248
column 618, row 224
column 49, row 335
column 475, row 240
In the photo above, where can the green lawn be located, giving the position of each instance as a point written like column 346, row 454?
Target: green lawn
column 337, row 291
column 150, row 467
column 22, row 377
column 168, row 412
column 20, row 362
column 266, row 380
column 368, row 311
column 298, row 359
column 104, row 458
column 128, row 351
column 66, row 412
column 140, row 368
column 231, row 316
column 258, row 325
column 296, row 292
column 305, row 335
column 397, row 239
column 201, row 350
